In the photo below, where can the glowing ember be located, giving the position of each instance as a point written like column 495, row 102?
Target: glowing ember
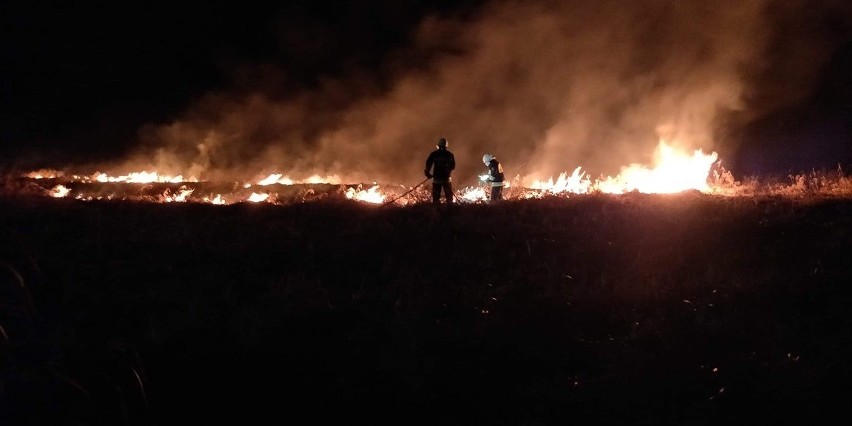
column 371, row 195
column 59, row 191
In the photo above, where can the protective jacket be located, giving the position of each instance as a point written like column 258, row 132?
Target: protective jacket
column 495, row 172
column 439, row 165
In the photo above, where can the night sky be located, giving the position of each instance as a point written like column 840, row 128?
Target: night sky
column 364, row 88
column 79, row 80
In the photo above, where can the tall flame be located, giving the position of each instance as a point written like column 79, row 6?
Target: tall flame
column 577, row 183
column 674, row 172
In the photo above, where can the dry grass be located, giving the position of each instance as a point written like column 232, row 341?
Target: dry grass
column 816, row 184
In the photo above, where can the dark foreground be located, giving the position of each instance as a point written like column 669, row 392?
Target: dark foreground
column 636, row 309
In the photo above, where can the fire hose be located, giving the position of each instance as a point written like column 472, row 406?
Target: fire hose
column 409, row 192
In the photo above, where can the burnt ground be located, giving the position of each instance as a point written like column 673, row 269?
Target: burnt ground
column 634, row 309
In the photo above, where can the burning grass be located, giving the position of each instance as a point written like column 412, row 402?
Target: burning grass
column 626, row 309
column 274, row 189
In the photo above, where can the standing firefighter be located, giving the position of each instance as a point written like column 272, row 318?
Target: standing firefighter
column 439, row 166
column 494, row 176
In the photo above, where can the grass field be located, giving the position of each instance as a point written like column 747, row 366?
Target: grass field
column 632, row 309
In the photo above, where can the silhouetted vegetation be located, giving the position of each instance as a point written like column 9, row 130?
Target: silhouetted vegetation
column 634, row 309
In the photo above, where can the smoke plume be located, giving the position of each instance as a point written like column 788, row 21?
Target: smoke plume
column 544, row 85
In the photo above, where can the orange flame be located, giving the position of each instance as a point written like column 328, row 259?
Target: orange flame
column 217, row 200
column 371, row 195
column 179, row 197
column 59, row 191
column 141, row 177
column 275, row 178
column 473, row 194
column 280, row 179
column 258, row 197
column 674, row 172
column 43, row 174
column 578, row 183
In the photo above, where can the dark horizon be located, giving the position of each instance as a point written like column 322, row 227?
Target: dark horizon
column 82, row 83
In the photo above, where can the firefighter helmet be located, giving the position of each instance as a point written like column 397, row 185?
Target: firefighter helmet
column 487, row 158
column 442, row 143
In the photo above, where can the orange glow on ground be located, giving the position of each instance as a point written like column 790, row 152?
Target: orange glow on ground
column 673, row 171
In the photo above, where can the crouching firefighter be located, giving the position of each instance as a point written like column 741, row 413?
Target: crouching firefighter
column 439, row 165
column 494, row 176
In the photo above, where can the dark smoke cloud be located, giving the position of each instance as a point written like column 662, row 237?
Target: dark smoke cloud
column 544, row 85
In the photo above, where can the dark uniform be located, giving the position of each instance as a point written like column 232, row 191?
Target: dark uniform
column 439, row 166
column 495, row 176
